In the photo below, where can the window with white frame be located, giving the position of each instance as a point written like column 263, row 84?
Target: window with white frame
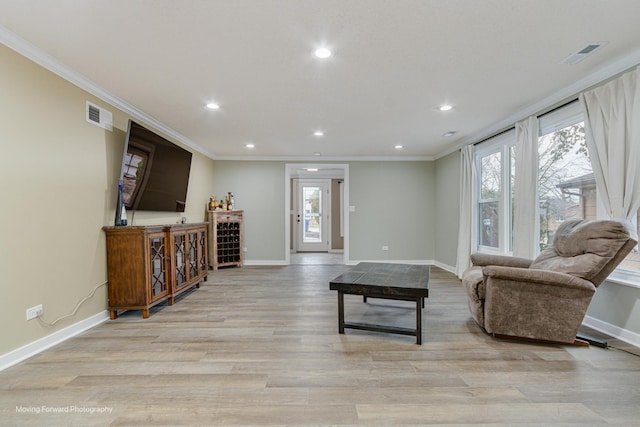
column 566, row 185
column 495, row 165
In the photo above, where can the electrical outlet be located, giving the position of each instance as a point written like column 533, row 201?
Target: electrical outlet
column 244, row 249
column 34, row 312
column 385, row 248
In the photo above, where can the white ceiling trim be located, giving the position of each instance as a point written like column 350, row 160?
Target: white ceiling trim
column 26, row 49
column 317, row 159
column 33, row 53
column 620, row 65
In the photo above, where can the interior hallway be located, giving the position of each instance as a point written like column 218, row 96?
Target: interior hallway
column 316, row 258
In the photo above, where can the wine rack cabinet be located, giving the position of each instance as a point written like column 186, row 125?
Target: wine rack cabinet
column 225, row 238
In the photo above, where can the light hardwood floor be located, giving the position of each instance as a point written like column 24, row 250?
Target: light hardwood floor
column 260, row 346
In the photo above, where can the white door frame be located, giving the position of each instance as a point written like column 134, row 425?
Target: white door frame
column 325, row 221
column 340, row 171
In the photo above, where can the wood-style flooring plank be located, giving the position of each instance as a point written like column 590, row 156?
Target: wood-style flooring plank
column 260, row 346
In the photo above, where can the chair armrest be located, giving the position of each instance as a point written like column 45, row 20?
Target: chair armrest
column 503, row 260
column 537, row 277
column 536, row 304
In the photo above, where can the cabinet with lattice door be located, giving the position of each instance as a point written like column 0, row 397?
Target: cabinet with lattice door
column 189, row 260
column 147, row 265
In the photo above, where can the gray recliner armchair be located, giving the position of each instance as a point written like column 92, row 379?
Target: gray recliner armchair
column 546, row 299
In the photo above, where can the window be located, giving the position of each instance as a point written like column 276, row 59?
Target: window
column 490, row 197
column 495, row 166
column 566, row 185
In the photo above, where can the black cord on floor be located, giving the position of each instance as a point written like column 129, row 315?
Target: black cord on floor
column 622, row 349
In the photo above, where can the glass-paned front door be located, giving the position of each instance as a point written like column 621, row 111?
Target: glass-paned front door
column 311, row 201
column 312, row 217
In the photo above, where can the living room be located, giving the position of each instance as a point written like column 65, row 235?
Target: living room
column 60, row 176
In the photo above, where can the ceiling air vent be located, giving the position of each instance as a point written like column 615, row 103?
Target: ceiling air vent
column 99, row 116
column 587, row 50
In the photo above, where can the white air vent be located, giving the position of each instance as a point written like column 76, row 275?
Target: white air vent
column 587, row 50
column 99, row 116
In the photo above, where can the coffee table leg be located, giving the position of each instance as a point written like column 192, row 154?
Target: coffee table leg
column 341, row 312
column 419, row 302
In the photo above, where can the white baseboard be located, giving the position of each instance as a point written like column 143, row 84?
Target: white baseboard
column 612, row 330
column 393, row 261
column 38, row 346
column 445, row 267
column 438, row 264
column 278, row 262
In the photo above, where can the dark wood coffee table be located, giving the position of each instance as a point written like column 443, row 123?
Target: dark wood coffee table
column 384, row 280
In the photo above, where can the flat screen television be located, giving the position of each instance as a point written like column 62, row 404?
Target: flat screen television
column 155, row 172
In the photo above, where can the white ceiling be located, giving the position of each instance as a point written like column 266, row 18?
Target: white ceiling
column 394, row 63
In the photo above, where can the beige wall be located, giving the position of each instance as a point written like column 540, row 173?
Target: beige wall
column 58, row 180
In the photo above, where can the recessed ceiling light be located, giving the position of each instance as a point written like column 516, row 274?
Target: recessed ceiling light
column 317, row 153
column 213, row 106
column 398, row 146
column 449, row 134
column 311, row 169
column 249, row 145
column 318, row 133
column 322, row 52
column 445, row 107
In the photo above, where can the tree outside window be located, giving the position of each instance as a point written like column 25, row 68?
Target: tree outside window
column 567, row 186
column 489, row 204
column 564, row 177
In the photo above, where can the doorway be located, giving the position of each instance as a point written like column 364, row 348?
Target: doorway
column 316, row 222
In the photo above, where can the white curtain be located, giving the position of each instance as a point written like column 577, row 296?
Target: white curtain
column 612, row 129
column 465, row 230
column 525, row 220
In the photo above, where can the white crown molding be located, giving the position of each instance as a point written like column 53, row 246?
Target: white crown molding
column 26, row 49
column 47, row 61
column 317, row 159
column 617, row 66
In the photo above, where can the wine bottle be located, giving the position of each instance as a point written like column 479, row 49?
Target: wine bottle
column 121, row 212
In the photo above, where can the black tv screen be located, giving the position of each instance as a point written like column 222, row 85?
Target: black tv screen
column 155, row 172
